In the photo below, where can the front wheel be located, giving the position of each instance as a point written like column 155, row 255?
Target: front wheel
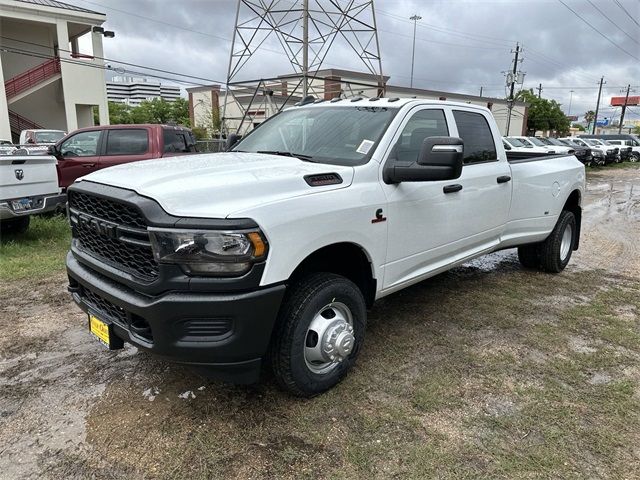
column 635, row 156
column 319, row 333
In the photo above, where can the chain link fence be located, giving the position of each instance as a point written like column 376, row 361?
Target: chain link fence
column 210, row 146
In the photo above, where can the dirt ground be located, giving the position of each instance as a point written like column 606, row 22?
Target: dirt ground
column 488, row 370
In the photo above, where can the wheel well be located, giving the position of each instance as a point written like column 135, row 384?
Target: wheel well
column 573, row 205
column 346, row 259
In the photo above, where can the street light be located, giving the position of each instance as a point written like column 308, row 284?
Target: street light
column 570, row 99
column 415, row 19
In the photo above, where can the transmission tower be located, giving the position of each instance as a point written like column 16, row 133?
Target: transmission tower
column 305, row 31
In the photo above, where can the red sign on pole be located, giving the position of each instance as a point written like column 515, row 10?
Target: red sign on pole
column 619, row 101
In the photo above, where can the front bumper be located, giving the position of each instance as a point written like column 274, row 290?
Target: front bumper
column 43, row 204
column 223, row 335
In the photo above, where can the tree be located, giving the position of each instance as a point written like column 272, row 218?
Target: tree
column 544, row 114
column 157, row 110
column 578, row 126
column 119, row 113
column 589, row 117
column 636, row 130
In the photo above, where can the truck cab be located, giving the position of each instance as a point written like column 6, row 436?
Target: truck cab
column 89, row 149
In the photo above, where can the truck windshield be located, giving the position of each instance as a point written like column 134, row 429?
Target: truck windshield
column 335, row 135
column 536, row 142
column 516, row 142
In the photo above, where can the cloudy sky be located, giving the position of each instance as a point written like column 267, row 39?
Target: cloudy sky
column 461, row 45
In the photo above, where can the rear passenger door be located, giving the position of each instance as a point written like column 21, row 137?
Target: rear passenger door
column 486, row 180
column 124, row 146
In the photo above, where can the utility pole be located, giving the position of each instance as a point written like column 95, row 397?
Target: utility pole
column 540, row 91
column 595, row 119
column 480, row 91
column 624, row 109
column 570, row 100
column 305, row 48
column 512, row 78
column 415, row 19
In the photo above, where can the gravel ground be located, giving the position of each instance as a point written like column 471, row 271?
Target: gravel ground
column 70, row 409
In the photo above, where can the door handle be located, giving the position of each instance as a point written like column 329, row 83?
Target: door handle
column 88, row 165
column 504, row 179
column 456, row 187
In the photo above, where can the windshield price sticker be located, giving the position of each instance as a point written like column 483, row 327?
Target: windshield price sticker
column 364, row 147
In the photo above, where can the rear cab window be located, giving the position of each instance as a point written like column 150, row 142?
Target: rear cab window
column 177, row 141
column 474, row 130
column 130, row 141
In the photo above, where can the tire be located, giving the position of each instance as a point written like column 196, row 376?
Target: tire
column 555, row 251
column 529, row 256
column 635, row 156
column 311, row 301
column 15, row 225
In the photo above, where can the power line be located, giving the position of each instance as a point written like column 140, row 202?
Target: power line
column 626, row 11
column 598, row 31
column 116, row 61
column 612, row 22
column 28, row 53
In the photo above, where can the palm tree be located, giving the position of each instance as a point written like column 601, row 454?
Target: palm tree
column 589, row 116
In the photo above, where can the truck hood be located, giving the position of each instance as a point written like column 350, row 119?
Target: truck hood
column 217, row 185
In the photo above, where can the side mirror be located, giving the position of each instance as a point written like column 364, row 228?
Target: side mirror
column 506, row 147
column 440, row 158
column 54, row 151
column 231, row 141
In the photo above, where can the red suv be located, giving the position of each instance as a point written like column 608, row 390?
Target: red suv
column 88, row 149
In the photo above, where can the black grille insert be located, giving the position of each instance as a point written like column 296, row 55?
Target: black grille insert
column 106, row 209
column 104, row 307
column 114, row 233
column 105, row 310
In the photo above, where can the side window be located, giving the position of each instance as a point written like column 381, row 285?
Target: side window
column 474, row 130
column 127, row 142
column 174, row 141
column 423, row 124
column 84, row 144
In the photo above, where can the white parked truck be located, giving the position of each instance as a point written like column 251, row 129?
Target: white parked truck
column 28, row 185
column 273, row 251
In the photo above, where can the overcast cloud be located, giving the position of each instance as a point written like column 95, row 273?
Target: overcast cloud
column 461, row 44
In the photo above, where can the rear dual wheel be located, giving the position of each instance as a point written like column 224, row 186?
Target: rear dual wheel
column 554, row 253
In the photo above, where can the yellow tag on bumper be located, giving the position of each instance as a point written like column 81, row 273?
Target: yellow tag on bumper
column 99, row 329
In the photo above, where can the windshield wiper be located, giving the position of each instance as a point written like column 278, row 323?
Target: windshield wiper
column 286, row 154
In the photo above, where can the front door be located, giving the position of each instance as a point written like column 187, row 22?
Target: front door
column 80, row 154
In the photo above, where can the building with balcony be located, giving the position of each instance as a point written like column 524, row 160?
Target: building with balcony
column 134, row 90
column 45, row 80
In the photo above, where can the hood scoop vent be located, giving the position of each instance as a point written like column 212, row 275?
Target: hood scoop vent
column 322, row 179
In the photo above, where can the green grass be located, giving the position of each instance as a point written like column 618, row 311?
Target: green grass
column 38, row 252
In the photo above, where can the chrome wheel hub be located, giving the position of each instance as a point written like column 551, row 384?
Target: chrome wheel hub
column 330, row 338
column 567, row 240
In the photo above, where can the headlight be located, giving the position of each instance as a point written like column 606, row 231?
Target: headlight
column 209, row 252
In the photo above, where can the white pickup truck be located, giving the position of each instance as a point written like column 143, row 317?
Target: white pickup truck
column 28, row 185
column 274, row 250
